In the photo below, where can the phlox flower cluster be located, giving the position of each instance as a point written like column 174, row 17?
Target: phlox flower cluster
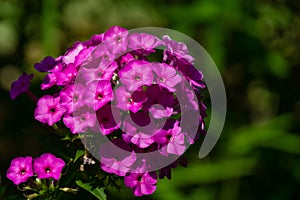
column 46, row 166
column 110, row 85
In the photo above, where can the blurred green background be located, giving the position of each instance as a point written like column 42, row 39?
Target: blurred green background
column 255, row 44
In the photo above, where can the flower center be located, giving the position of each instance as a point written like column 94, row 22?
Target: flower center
column 23, row 171
column 52, row 110
column 137, row 78
column 99, row 96
column 119, row 39
column 47, row 169
column 75, row 98
column 162, row 80
column 140, row 179
column 170, row 138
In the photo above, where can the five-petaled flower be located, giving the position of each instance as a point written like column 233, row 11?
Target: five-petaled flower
column 20, row 170
column 48, row 166
column 49, row 110
column 141, row 183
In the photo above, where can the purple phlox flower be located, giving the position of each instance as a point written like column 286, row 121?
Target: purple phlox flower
column 127, row 101
column 159, row 112
column 48, row 166
column 82, row 56
column 60, row 75
column 81, row 121
column 172, row 141
column 71, row 97
column 136, row 74
column 102, row 52
column 186, row 95
column 123, row 60
column 66, row 98
column 72, row 52
column 20, row 170
column 20, row 86
column 66, row 75
column 49, row 110
column 158, row 95
column 108, row 122
column 94, row 40
column 51, row 78
column 49, row 81
column 166, row 76
column 177, row 49
column 138, row 135
column 143, row 42
column 116, row 39
column 118, row 167
column 192, row 75
column 97, row 70
column 143, row 183
column 46, row 65
column 139, row 129
column 97, row 94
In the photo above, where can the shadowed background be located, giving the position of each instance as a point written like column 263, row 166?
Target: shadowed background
column 255, row 44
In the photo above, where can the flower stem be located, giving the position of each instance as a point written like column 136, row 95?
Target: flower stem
column 31, row 96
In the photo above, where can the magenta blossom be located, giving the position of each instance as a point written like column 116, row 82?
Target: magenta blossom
column 143, row 42
column 51, row 78
column 72, row 52
column 49, row 110
column 107, row 121
column 71, row 97
column 83, row 120
column 94, row 40
column 66, row 75
column 192, row 75
column 166, row 76
column 157, row 112
column 46, row 65
column 140, row 136
column 98, row 69
column 136, row 74
column 126, row 59
column 141, row 183
column 116, row 39
column 118, row 167
column 178, row 49
column 172, row 141
column 20, row 170
column 48, row 166
column 127, row 101
column 97, row 94
column 20, row 86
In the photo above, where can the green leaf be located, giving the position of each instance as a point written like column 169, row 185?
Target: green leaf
column 79, row 153
column 97, row 192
